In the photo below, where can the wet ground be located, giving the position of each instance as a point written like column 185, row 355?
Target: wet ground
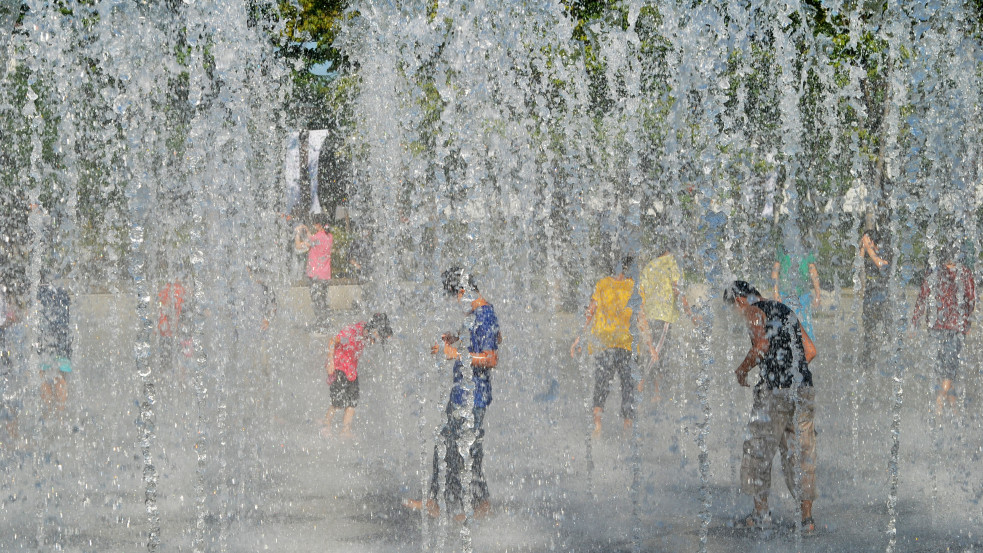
column 262, row 477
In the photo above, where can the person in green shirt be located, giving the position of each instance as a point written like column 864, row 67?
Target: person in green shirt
column 793, row 288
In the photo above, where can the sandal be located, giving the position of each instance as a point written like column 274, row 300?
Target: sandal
column 808, row 525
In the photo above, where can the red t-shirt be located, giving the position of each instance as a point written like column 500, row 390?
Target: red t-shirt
column 954, row 293
column 349, row 344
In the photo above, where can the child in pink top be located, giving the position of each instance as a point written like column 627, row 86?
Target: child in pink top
column 318, row 247
column 343, row 356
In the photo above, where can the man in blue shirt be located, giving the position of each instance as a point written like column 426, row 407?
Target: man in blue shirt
column 468, row 400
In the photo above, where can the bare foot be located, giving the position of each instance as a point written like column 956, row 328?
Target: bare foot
column 326, row 432
column 433, row 509
column 482, row 509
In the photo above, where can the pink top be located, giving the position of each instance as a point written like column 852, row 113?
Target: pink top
column 349, row 344
column 319, row 256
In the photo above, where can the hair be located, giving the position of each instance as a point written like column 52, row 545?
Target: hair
column 457, row 279
column 619, row 262
column 739, row 289
column 948, row 252
column 320, row 219
column 660, row 245
column 379, row 323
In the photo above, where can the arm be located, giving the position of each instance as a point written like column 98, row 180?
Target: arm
column 970, row 299
column 814, row 275
column 867, row 246
column 448, row 349
column 774, row 278
column 920, row 303
column 685, row 303
column 643, row 326
column 591, row 309
column 807, row 345
column 759, row 345
column 329, row 363
column 300, row 236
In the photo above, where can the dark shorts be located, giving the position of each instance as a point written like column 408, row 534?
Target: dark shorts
column 344, row 392
column 950, row 345
column 610, row 362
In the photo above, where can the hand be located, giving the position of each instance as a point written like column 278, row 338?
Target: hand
column 435, row 349
column 575, row 349
column 450, row 352
column 816, row 301
column 741, row 377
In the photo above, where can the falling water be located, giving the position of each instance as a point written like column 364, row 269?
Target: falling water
column 485, row 135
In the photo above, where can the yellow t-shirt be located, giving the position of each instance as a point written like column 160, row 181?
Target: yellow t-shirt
column 613, row 316
column 655, row 287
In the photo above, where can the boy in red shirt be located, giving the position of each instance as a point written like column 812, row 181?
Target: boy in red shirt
column 954, row 300
column 343, row 355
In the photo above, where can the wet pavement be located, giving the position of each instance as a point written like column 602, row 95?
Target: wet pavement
column 263, row 478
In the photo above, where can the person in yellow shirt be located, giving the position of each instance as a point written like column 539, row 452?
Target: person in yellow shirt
column 661, row 297
column 609, row 320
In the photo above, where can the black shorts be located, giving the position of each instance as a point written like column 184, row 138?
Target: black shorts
column 344, row 392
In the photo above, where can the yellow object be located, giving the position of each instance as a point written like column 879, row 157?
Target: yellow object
column 655, row 286
column 613, row 316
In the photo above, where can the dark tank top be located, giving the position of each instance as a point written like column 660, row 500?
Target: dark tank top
column 784, row 364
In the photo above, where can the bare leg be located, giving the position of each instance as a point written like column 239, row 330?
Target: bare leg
column 806, row 509
column 47, row 394
column 61, row 393
column 945, row 395
column 328, row 418
column 597, row 421
column 346, row 422
column 761, row 505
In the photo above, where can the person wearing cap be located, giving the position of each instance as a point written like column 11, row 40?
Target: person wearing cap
column 342, row 366
column 609, row 320
column 784, row 404
column 481, row 353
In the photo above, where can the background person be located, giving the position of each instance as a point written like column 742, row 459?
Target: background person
column 792, row 287
column 609, row 320
column 953, row 295
column 55, row 343
column 318, row 247
column 661, row 295
column 876, row 263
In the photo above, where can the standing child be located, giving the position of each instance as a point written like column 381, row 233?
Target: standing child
column 952, row 288
column 55, row 344
column 609, row 320
column 661, row 297
column 481, row 353
column 8, row 405
column 343, row 355
column 318, row 246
